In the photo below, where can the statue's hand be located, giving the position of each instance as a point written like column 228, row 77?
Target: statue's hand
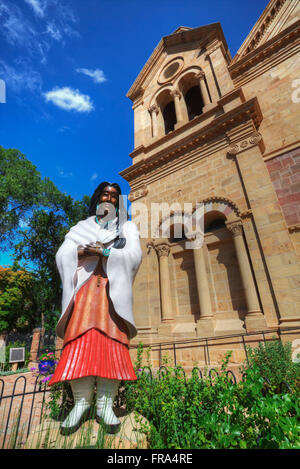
column 90, row 250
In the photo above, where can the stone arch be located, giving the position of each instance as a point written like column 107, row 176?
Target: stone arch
column 156, row 97
column 187, row 72
column 166, row 112
column 222, row 205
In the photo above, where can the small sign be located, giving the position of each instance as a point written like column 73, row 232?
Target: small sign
column 17, row 355
column 2, row 351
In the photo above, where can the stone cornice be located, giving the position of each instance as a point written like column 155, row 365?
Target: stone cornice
column 258, row 32
column 290, row 35
column 247, row 111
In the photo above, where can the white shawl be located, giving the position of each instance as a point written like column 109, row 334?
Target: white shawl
column 121, row 267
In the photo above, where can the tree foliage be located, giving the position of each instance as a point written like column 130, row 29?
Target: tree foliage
column 35, row 215
column 20, row 191
column 17, row 303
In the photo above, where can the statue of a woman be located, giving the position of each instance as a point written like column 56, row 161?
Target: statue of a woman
column 97, row 263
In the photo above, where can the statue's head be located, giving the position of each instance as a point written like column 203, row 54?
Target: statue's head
column 106, row 194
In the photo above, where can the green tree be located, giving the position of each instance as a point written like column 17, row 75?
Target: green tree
column 34, row 218
column 40, row 241
column 20, row 191
column 18, row 309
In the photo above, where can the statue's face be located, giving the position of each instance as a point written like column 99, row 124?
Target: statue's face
column 109, row 195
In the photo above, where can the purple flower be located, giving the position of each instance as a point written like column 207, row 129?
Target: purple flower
column 44, row 380
column 33, row 369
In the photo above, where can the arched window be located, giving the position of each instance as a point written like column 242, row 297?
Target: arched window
column 215, row 225
column 214, row 220
column 177, row 233
column 169, row 115
column 194, row 102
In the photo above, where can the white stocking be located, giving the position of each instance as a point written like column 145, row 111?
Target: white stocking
column 106, row 393
column 82, row 389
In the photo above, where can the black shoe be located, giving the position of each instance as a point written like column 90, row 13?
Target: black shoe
column 69, row 430
column 111, row 429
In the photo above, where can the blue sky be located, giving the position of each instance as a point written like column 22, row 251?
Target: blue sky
column 68, row 65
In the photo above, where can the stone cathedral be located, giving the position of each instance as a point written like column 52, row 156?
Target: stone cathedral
column 225, row 133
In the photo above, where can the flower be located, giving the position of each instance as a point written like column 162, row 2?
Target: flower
column 47, row 378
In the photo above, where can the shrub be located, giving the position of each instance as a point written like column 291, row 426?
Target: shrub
column 213, row 413
column 274, row 362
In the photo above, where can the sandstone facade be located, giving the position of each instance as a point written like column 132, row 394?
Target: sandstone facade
column 223, row 133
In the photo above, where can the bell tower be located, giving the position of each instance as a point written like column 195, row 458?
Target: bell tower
column 199, row 138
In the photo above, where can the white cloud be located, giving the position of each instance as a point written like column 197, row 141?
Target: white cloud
column 36, row 38
column 38, row 6
column 69, row 99
column 14, row 27
column 54, row 32
column 97, row 75
column 20, row 77
column 94, row 177
column 63, row 129
column 62, row 173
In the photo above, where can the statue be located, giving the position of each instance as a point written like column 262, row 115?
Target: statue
column 97, row 263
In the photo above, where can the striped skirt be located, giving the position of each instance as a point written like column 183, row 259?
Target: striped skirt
column 94, row 354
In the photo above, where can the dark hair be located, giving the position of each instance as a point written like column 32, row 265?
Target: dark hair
column 98, row 192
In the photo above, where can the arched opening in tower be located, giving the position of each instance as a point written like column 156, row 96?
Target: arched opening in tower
column 169, row 115
column 194, row 102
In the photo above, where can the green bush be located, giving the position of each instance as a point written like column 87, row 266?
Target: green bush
column 213, row 413
column 274, row 362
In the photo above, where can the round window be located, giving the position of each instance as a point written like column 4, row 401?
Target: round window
column 171, row 69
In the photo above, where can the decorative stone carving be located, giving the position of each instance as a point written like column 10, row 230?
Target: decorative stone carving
column 246, row 214
column 176, row 94
column 153, row 108
column 221, row 200
column 138, row 194
column 294, row 228
column 235, row 228
column 200, row 75
column 251, row 141
column 162, row 249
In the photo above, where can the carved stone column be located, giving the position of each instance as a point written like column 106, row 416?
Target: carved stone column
column 252, row 302
column 163, row 251
column 203, row 88
column 204, row 92
column 177, row 96
column 205, row 326
column 280, row 258
column 154, row 111
column 202, row 283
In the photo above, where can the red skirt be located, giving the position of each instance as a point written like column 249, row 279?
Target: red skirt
column 96, row 341
column 94, row 354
